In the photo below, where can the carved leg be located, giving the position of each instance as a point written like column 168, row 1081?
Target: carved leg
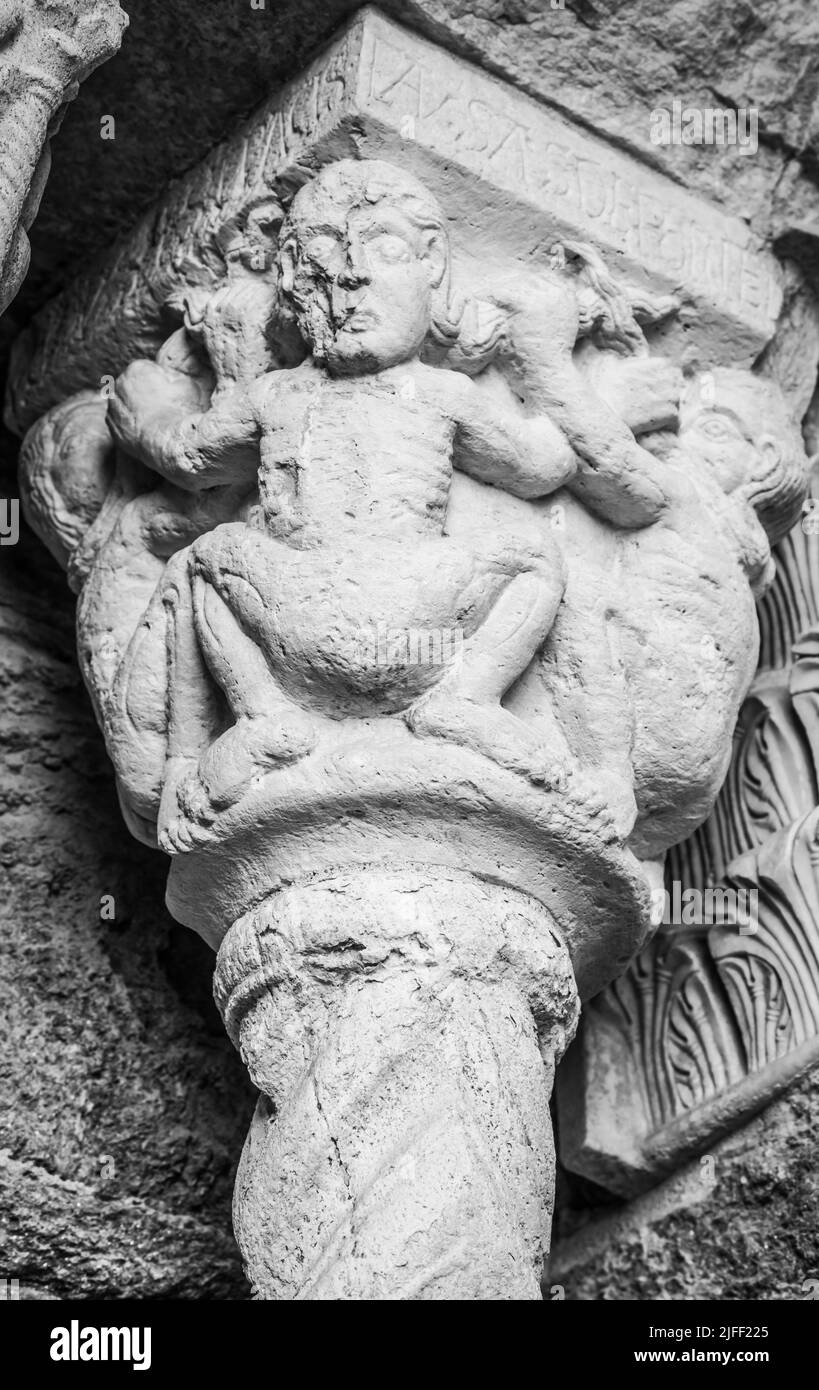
column 581, row 674
column 403, row 1030
column 193, row 715
column 269, row 728
column 616, row 477
column 465, row 705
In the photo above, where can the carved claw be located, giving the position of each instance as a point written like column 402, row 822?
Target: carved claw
column 180, row 836
column 551, row 773
column 584, row 797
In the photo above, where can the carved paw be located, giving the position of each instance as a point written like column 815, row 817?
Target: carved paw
column 180, row 835
column 551, row 773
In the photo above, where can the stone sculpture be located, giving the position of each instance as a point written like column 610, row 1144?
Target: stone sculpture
column 46, row 50
column 720, row 1012
column 410, row 867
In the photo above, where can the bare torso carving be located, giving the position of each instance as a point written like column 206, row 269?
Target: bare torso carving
column 306, row 504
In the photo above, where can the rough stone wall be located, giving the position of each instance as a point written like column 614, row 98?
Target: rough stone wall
column 129, row 1106
column 124, row 1106
column 739, row 1224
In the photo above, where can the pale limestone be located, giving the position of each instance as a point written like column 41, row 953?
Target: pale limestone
column 359, row 425
column 46, row 51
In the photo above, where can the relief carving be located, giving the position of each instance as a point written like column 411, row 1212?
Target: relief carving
column 411, row 866
column 381, row 92
column 721, row 1010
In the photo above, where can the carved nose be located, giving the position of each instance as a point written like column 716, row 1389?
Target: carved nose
column 351, row 279
column 355, row 272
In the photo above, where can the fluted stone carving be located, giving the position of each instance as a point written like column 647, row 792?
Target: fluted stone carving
column 47, row 48
column 416, row 571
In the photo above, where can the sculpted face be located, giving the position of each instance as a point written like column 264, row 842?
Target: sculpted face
column 363, row 252
column 719, row 422
column 740, row 426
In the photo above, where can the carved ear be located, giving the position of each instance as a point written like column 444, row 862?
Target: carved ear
column 771, row 453
column 437, row 257
column 287, row 267
column 777, row 488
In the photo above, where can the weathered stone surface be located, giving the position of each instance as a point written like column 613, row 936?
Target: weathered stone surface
column 580, row 60
column 123, row 1104
column 46, row 50
column 740, row 1223
column 380, row 92
column 402, row 1029
column 56, row 442
column 346, row 433
column 720, row 1013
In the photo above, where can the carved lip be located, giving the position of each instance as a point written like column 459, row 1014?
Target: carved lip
column 358, row 320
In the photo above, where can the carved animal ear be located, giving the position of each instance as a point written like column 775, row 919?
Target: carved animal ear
column 777, row 487
column 251, row 236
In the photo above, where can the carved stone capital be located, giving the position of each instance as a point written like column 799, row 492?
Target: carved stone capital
column 417, row 489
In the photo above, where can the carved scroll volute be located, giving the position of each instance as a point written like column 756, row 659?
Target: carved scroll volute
column 370, row 532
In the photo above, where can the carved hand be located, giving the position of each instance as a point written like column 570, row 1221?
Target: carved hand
column 233, row 331
column 148, row 398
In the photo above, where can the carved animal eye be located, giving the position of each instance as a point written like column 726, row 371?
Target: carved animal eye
column 388, row 248
column 718, row 430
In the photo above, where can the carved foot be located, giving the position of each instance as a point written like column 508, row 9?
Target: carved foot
column 250, row 747
column 226, row 770
column 493, row 731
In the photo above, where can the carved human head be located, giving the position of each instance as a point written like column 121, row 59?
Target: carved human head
column 365, row 266
column 739, row 425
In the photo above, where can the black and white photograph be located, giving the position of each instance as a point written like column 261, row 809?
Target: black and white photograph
column 409, row 670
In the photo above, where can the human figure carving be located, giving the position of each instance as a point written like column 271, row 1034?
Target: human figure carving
column 354, row 451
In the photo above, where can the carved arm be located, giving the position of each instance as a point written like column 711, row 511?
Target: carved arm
column 192, row 449
column 527, row 456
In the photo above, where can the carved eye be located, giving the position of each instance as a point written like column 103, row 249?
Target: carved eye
column 322, row 248
column 387, row 247
column 718, row 430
